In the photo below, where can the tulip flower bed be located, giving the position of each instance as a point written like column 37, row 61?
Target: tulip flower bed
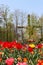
column 14, row 53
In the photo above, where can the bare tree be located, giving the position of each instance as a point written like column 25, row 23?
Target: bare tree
column 16, row 19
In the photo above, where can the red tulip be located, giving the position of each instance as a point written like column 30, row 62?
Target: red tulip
column 30, row 49
column 14, row 44
column 39, row 46
column 7, row 45
column 0, row 42
column 18, row 46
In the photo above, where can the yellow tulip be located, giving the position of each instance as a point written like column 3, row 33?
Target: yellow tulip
column 32, row 45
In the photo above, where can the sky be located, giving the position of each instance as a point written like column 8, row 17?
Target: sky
column 28, row 6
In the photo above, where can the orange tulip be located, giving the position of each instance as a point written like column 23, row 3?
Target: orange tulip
column 32, row 52
column 25, row 59
column 40, row 62
column 0, row 59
